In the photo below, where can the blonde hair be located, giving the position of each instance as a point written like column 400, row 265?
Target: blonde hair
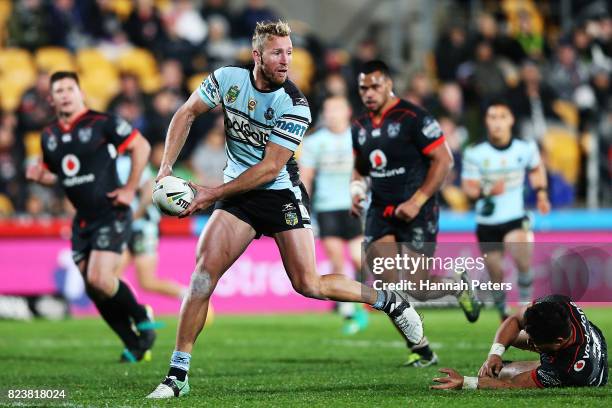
column 265, row 30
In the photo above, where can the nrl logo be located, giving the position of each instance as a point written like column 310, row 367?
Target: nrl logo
column 291, row 219
column 269, row 114
column 232, row 94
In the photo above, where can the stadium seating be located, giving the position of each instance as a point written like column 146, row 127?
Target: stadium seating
column 141, row 63
column 562, row 152
column 17, row 73
column 53, row 59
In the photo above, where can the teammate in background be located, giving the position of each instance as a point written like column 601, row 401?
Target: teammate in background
column 79, row 151
column 266, row 117
column 326, row 163
column 573, row 351
column 402, row 149
column 144, row 239
column 494, row 175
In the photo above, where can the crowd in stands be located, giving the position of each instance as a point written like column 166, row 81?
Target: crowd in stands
column 142, row 58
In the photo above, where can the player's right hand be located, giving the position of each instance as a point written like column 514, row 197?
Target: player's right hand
column 35, row 172
column 491, row 367
column 357, row 205
column 164, row 170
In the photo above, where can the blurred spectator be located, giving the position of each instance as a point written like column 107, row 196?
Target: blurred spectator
column 187, row 23
column 333, row 84
column 254, row 11
column 173, row 78
column 144, row 26
column 12, row 181
column 220, row 48
column 451, row 51
column 133, row 112
column 68, row 29
column 28, row 25
column 208, row 159
column 531, row 41
column 218, row 9
column 503, row 46
column 566, row 72
column 34, row 111
column 452, row 195
column 130, row 91
column 420, row 91
column 165, row 103
column 488, row 79
column 532, row 103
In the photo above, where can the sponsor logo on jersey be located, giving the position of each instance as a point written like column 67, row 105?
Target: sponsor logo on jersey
column 52, row 143
column 376, row 132
column 85, row 135
column 240, row 128
column 290, row 126
column 78, row 180
column 66, row 137
column 210, row 90
column 252, row 104
column 269, row 115
column 300, row 102
column 393, row 129
column 361, row 136
column 288, row 207
column 291, row 218
column 431, row 128
column 378, row 159
column 579, row 365
column 71, row 165
column 232, row 94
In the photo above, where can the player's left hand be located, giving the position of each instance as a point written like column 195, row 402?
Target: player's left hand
column 408, row 210
column 204, row 198
column 122, row 196
column 543, row 204
column 454, row 381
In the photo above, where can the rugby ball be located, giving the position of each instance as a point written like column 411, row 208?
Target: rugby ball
column 172, row 195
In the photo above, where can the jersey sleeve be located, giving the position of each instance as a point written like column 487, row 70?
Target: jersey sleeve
column 291, row 126
column 119, row 132
column 428, row 134
column 44, row 144
column 533, row 154
column 210, row 89
column 470, row 169
column 547, row 376
column 310, row 151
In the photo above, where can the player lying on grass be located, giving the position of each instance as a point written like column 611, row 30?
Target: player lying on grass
column 573, row 351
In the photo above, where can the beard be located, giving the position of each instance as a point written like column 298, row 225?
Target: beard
column 269, row 75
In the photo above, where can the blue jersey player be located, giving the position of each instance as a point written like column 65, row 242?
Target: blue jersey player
column 494, row 175
column 266, row 117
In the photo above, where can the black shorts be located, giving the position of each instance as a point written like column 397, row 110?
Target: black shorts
column 491, row 237
column 339, row 224
column 420, row 234
column 110, row 232
column 270, row 211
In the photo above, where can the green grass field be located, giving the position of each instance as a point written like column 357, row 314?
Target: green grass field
column 293, row 360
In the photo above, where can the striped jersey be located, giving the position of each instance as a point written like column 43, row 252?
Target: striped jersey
column 253, row 117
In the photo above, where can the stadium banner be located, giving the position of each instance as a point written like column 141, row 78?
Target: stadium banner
column 256, row 283
column 434, row 273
